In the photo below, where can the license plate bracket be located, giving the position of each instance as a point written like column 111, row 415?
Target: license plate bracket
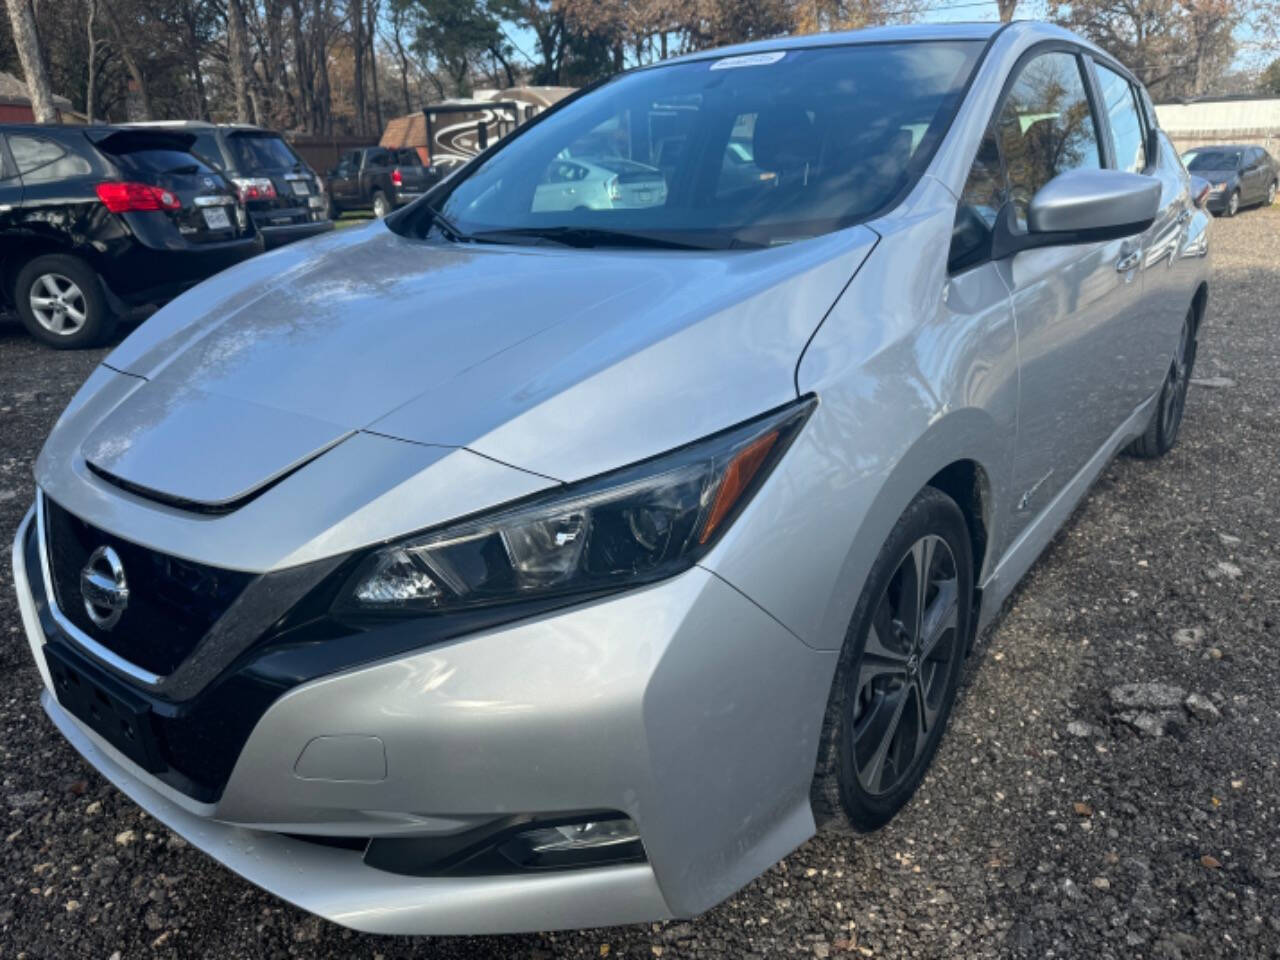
column 117, row 715
column 216, row 218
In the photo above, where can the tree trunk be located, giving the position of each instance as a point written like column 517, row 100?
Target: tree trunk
column 92, row 81
column 22, row 18
column 130, row 62
column 356, row 9
column 1007, row 8
column 238, row 59
column 372, row 9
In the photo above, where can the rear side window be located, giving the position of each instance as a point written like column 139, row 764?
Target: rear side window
column 1126, row 124
column 377, row 158
column 1046, row 127
column 408, row 158
column 260, row 151
column 40, row 160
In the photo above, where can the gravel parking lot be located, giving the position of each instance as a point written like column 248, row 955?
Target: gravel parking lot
column 1069, row 813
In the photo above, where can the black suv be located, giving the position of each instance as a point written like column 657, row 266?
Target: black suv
column 282, row 194
column 97, row 220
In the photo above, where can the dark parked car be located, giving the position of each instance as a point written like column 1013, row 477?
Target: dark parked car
column 283, row 195
column 1238, row 176
column 378, row 179
column 97, row 220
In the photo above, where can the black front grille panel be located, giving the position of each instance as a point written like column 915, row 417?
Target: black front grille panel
column 172, row 602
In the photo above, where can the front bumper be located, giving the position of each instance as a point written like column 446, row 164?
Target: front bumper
column 682, row 705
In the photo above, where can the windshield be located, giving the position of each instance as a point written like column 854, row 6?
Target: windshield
column 737, row 151
column 1213, row 160
column 260, row 151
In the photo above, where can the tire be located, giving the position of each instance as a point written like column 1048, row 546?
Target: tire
column 1233, row 204
column 381, row 206
column 876, row 742
column 335, row 211
column 1271, row 194
column 1166, row 420
column 62, row 303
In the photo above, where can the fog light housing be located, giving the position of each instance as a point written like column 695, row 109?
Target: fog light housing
column 588, row 842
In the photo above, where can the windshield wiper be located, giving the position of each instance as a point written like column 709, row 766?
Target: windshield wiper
column 589, row 237
column 447, row 226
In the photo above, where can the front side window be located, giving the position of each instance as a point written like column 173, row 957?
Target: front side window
column 719, row 153
column 980, row 202
column 1046, row 127
column 1126, row 123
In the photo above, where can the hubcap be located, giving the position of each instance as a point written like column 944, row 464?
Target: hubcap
column 1234, row 202
column 58, row 304
column 1271, row 194
column 1179, row 381
column 380, row 207
column 905, row 667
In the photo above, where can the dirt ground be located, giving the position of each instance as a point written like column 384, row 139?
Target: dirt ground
column 1055, row 822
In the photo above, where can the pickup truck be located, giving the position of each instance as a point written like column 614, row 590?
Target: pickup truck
column 377, row 179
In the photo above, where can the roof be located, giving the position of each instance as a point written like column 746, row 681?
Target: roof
column 959, row 30
column 14, row 92
column 199, row 125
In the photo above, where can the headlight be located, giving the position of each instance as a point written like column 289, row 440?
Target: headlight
column 1219, row 187
column 632, row 526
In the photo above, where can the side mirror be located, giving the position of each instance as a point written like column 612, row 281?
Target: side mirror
column 1081, row 206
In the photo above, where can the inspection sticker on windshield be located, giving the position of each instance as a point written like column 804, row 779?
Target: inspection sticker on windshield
column 749, row 60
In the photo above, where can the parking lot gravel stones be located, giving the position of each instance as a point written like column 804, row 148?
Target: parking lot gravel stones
column 1176, row 856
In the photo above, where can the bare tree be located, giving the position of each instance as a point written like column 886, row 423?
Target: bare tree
column 92, row 83
column 1007, row 9
column 22, row 18
column 131, row 62
column 238, row 60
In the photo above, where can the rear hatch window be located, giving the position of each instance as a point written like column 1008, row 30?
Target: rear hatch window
column 277, row 187
column 207, row 210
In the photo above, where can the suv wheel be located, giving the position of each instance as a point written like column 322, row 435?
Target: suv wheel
column 61, row 302
column 1271, row 193
column 899, row 669
column 381, row 206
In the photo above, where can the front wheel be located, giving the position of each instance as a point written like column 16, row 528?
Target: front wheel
column 381, row 205
column 1271, row 193
column 1233, row 203
column 61, row 302
column 898, row 670
column 1162, row 432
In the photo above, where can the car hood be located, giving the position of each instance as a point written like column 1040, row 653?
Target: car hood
column 561, row 362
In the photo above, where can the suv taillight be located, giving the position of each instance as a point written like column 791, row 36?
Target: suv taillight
column 131, row 197
column 255, row 188
column 397, row 178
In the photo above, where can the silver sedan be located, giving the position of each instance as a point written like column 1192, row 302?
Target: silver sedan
column 496, row 568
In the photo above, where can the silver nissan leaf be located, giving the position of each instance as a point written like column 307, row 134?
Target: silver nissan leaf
column 500, row 568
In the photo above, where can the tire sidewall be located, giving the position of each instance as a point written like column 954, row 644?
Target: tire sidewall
column 932, row 512
column 1233, row 203
column 386, row 206
column 99, row 321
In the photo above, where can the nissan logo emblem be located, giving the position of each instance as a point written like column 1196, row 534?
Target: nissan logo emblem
column 104, row 588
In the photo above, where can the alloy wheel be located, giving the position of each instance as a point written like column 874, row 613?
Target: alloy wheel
column 58, row 304
column 903, row 673
column 1233, row 205
column 1271, row 193
column 380, row 206
column 1179, row 382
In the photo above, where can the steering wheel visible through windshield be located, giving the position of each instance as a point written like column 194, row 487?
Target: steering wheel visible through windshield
column 737, row 151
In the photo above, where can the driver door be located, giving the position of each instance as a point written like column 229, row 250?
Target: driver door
column 1076, row 305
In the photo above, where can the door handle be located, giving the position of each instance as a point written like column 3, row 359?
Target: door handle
column 1129, row 261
